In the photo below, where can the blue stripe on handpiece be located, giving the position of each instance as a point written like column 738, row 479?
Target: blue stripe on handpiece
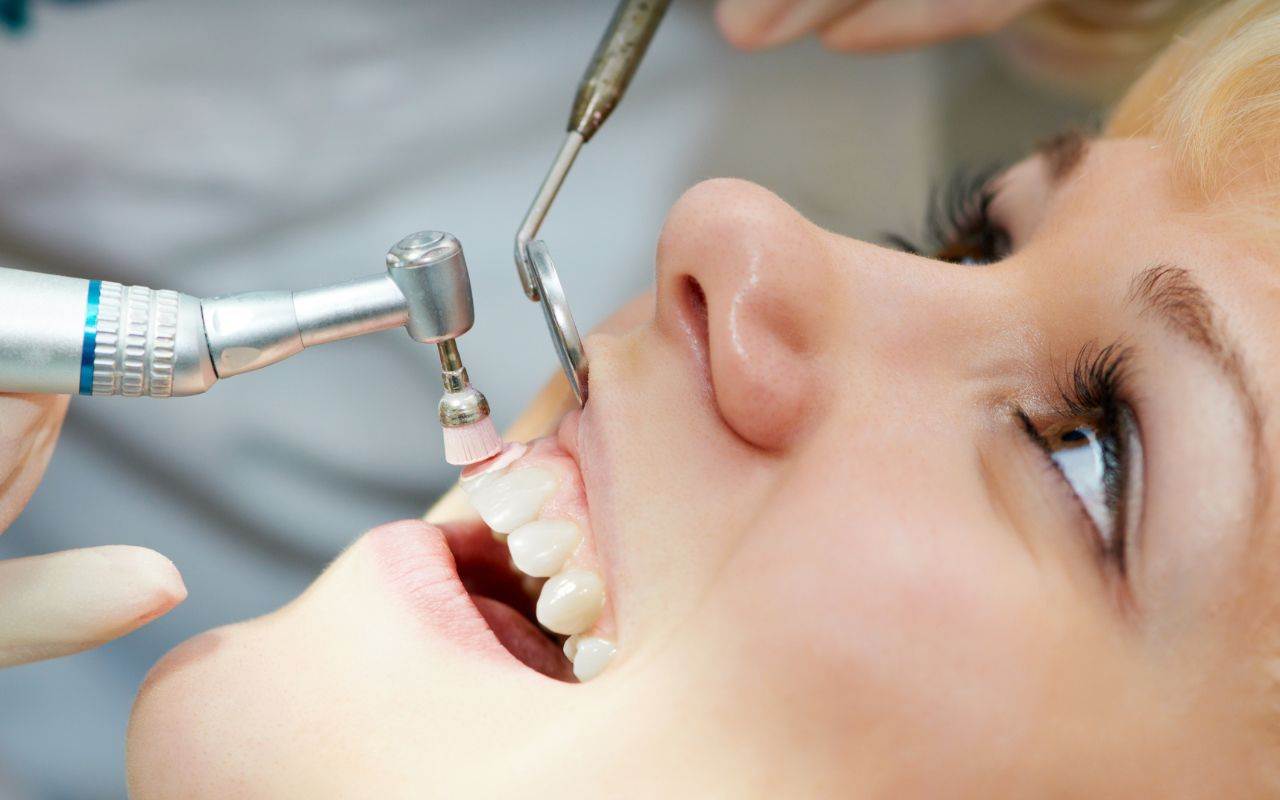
column 90, row 337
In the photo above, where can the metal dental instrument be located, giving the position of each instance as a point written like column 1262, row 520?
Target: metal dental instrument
column 61, row 335
column 611, row 69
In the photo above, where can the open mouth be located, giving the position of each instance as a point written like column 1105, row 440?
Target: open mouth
column 506, row 599
column 526, row 573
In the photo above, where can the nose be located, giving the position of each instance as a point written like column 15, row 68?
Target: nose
column 787, row 316
column 738, row 262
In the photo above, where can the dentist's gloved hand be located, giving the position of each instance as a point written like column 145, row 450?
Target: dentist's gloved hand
column 863, row 25
column 61, row 603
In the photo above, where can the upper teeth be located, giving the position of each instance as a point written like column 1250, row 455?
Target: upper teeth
column 541, row 547
column 591, row 655
column 571, row 601
column 572, row 598
column 509, row 501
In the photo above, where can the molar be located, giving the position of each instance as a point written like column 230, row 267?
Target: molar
column 591, row 655
column 511, row 500
column 540, row 548
column 571, row 601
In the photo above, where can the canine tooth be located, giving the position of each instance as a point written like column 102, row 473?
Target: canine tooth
column 513, row 499
column 571, row 601
column 593, row 654
column 571, row 646
column 541, row 547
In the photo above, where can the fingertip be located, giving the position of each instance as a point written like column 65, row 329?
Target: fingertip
column 61, row 603
column 742, row 23
column 151, row 584
column 849, row 34
column 889, row 25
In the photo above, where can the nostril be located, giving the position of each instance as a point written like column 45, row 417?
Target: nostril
column 696, row 299
column 693, row 305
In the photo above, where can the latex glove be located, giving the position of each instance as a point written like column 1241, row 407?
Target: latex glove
column 863, row 25
column 61, row 603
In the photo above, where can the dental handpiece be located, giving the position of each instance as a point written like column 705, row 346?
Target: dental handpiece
column 614, row 63
column 63, row 335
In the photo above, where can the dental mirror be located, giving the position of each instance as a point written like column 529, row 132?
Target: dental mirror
column 560, row 324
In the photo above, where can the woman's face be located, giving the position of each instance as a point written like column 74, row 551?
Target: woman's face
column 868, row 523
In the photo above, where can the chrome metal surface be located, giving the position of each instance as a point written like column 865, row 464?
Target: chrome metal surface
column 462, row 407
column 130, row 340
column 42, row 322
column 614, row 63
column 538, row 209
column 357, row 307
column 68, row 335
column 431, row 271
column 612, row 66
column 149, row 343
column 555, row 308
column 250, row 330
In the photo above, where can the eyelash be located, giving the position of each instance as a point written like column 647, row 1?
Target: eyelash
column 960, row 229
column 958, row 221
column 1094, row 393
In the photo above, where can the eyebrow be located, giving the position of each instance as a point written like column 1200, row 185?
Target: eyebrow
column 1173, row 295
column 1063, row 153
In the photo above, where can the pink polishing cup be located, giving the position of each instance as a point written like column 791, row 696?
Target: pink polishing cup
column 475, row 441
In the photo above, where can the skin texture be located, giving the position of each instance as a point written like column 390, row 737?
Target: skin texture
column 863, row 580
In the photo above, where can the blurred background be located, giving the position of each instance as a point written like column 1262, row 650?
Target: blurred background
column 219, row 147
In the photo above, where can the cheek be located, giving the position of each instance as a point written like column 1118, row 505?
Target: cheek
column 221, row 716
column 878, row 615
column 272, row 707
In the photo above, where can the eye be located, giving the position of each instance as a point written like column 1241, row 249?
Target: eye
column 1100, row 460
column 959, row 223
column 1096, row 447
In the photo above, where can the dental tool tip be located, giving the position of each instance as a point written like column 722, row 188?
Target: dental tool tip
column 469, row 433
column 471, row 443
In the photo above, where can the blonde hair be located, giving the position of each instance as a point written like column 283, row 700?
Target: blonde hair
column 1213, row 97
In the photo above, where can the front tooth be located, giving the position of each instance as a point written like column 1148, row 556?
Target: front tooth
column 511, row 453
column 476, row 482
column 592, row 655
column 513, row 499
column 541, row 547
column 571, row 601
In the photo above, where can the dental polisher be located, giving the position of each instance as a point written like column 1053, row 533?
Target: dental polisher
column 62, row 335
column 615, row 61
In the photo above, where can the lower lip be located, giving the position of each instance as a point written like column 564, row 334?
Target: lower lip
column 415, row 560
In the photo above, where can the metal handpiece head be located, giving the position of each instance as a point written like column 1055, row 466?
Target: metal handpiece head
column 429, row 268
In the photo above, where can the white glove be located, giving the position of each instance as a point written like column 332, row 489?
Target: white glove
column 863, row 25
column 61, row 603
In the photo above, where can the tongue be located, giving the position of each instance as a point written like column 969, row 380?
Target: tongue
column 523, row 639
